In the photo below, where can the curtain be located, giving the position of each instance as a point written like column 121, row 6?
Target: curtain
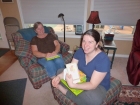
column 133, row 64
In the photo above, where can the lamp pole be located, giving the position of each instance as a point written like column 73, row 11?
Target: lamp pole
column 62, row 16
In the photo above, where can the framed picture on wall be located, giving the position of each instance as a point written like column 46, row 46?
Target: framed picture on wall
column 7, row 1
column 79, row 30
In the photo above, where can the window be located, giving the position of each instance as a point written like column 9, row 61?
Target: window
column 117, row 13
column 114, row 29
column 58, row 28
column 120, row 32
column 47, row 12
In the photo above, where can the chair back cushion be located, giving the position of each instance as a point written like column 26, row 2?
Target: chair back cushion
column 29, row 33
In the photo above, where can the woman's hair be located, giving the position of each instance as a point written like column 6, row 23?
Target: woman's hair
column 95, row 34
column 36, row 25
column 51, row 30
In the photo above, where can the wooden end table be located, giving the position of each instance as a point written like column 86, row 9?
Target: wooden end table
column 109, row 45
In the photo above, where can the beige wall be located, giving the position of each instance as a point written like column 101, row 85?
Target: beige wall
column 123, row 46
column 11, row 10
column 73, row 42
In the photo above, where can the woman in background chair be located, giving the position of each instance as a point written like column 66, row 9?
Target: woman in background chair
column 45, row 45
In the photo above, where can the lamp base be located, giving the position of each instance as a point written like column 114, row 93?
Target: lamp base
column 93, row 26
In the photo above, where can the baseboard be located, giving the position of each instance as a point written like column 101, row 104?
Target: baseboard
column 119, row 55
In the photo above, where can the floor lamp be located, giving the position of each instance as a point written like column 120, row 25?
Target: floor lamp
column 61, row 15
column 94, row 18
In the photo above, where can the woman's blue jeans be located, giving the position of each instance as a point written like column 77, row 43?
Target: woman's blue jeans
column 52, row 66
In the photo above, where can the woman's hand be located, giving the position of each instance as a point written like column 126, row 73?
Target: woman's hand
column 55, row 81
column 69, row 80
column 54, row 53
column 48, row 55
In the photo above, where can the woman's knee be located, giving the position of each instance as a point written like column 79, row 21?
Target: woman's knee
column 41, row 61
column 90, row 97
column 60, row 71
column 59, row 62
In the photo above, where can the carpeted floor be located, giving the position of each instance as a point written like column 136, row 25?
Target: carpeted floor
column 3, row 51
column 12, row 92
column 43, row 96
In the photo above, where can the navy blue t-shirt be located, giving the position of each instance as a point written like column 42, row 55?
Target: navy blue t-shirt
column 100, row 63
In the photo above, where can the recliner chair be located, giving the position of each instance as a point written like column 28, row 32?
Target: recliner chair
column 36, row 73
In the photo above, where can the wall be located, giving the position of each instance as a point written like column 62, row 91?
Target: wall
column 123, row 46
column 8, row 10
column 3, row 42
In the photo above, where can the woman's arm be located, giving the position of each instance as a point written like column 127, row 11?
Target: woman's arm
column 40, row 54
column 57, row 46
column 96, row 79
column 74, row 61
column 56, row 80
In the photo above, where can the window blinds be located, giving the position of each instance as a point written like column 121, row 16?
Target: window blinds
column 118, row 12
column 47, row 11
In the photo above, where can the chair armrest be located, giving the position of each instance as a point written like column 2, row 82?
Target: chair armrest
column 63, row 47
column 32, row 68
column 67, row 57
column 23, row 49
column 24, row 62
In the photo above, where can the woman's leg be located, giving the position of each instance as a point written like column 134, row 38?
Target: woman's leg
column 89, row 97
column 49, row 65
column 59, row 62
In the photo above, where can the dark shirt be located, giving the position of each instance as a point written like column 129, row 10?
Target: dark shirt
column 44, row 45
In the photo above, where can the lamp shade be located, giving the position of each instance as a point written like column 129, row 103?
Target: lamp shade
column 94, row 18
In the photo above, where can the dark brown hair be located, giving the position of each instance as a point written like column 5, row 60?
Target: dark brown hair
column 95, row 34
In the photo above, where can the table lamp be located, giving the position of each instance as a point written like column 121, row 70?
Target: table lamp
column 94, row 18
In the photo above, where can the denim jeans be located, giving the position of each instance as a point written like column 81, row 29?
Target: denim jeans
column 52, row 66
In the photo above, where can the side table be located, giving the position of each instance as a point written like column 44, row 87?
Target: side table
column 109, row 45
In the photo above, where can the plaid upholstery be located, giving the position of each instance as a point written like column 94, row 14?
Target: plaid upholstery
column 64, row 47
column 36, row 73
column 23, row 49
column 61, row 98
column 36, row 70
column 113, row 92
column 111, row 96
column 67, row 57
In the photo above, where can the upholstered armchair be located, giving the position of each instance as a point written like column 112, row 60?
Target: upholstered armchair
column 133, row 64
column 112, row 94
column 36, row 73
